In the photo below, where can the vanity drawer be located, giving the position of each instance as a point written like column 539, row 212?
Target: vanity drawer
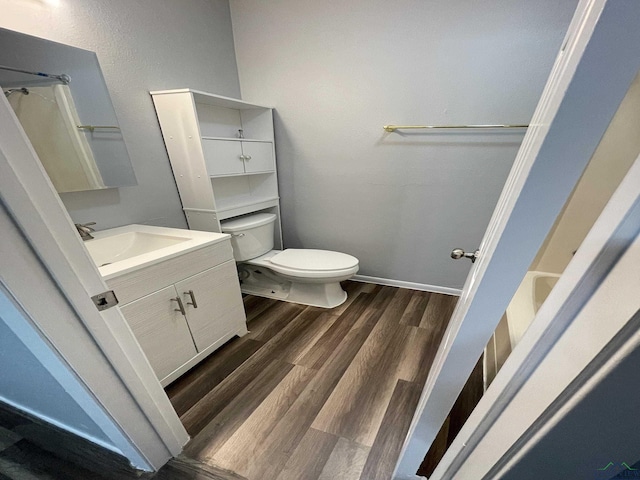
column 137, row 284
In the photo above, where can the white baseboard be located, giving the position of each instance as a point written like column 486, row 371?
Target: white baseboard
column 414, row 286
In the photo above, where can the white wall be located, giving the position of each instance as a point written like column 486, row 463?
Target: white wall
column 336, row 72
column 143, row 45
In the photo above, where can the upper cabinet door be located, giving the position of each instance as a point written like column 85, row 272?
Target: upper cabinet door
column 213, row 303
column 161, row 330
column 258, row 157
column 223, row 157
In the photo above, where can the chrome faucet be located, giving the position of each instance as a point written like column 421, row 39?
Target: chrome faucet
column 84, row 229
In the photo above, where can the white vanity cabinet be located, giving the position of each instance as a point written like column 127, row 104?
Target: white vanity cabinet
column 183, row 308
column 222, row 155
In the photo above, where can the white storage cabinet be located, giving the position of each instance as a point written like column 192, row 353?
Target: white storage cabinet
column 222, row 155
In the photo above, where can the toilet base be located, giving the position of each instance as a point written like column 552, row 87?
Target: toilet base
column 265, row 283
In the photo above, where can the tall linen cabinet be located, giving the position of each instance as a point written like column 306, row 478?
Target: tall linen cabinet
column 222, row 153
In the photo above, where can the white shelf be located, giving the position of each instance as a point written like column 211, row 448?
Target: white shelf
column 249, row 207
column 211, row 99
column 266, row 172
column 249, row 203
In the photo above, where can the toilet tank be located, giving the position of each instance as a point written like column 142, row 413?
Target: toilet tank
column 251, row 235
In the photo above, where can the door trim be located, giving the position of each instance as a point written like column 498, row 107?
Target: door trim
column 564, row 133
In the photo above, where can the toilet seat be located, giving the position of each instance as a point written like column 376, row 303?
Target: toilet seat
column 308, row 263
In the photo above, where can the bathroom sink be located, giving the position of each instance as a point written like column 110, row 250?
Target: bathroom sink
column 123, row 249
column 114, row 248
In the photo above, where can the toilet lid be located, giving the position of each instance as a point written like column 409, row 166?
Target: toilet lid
column 308, row 259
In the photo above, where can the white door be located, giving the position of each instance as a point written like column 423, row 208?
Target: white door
column 258, row 157
column 597, row 62
column 92, row 342
column 223, row 157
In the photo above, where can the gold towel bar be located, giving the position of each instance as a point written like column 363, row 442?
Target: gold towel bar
column 96, row 127
column 393, row 128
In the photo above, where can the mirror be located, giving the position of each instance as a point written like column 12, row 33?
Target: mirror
column 61, row 99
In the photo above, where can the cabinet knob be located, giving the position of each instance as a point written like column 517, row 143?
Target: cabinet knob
column 247, row 157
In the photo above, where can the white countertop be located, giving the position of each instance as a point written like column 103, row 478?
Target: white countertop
column 121, row 250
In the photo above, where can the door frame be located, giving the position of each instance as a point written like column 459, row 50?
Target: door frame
column 97, row 346
column 563, row 134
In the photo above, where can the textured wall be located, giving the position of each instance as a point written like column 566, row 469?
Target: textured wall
column 143, row 45
column 336, row 72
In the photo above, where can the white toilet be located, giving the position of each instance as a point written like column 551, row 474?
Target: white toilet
column 310, row 277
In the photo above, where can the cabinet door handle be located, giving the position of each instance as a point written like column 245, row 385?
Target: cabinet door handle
column 193, row 299
column 180, row 305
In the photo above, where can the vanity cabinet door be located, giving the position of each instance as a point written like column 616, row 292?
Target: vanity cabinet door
column 258, row 157
column 219, row 304
column 223, row 157
column 161, row 331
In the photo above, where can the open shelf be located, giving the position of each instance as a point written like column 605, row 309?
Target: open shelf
column 248, row 207
column 218, row 174
column 234, row 139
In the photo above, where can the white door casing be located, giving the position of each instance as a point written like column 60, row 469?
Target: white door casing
column 591, row 75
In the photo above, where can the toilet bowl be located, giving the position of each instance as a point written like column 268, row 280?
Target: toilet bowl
column 306, row 276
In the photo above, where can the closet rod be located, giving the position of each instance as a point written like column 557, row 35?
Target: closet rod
column 393, row 128
column 64, row 78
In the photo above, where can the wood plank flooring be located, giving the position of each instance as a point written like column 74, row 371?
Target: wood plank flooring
column 311, row 393
column 31, row 449
column 466, row 402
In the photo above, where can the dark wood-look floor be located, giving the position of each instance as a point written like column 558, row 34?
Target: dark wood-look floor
column 31, row 448
column 311, row 393
column 465, row 404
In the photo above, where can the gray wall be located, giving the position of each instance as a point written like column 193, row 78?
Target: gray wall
column 336, row 72
column 142, row 45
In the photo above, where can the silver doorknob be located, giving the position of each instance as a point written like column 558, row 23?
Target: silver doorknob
column 457, row 253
